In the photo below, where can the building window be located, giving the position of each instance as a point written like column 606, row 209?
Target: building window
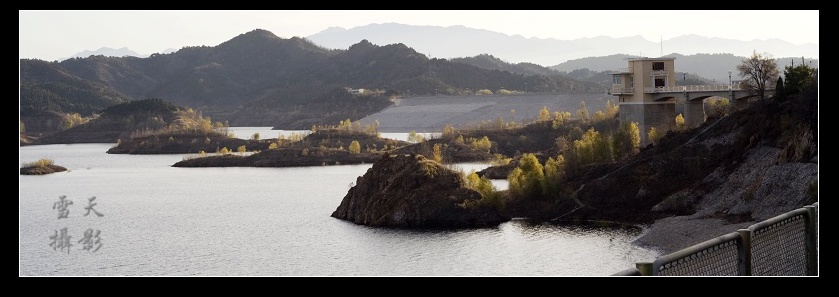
column 659, row 82
column 632, row 82
column 658, row 65
column 616, row 79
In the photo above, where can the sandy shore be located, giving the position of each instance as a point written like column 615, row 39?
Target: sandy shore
column 675, row 233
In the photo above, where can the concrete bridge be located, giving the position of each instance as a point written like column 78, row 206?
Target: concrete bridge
column 693, row 98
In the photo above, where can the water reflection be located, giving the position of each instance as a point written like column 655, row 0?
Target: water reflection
column 162, row 220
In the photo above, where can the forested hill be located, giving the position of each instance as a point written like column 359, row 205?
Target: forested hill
column 257, row 78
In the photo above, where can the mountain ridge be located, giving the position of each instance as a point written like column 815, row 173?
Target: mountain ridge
column 339, row 38
column 546, row 51
column 257, row 78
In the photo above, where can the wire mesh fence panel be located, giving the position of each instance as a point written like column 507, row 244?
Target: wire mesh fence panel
column 780, row 248
column 717, row 257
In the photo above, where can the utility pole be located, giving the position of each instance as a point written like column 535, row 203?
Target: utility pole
column 730, row 89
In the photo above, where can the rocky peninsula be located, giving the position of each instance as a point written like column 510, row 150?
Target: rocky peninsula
column 413, row 191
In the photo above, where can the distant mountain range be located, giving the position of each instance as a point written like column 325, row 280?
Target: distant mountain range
column 596, row 54
column 460, row 41
column 112, row 52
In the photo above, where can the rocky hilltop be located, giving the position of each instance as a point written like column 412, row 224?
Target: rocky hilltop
column 752, row 165
column 693, row 184
column 412, row 191
column 116, row 122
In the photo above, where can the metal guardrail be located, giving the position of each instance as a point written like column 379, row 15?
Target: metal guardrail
column 784, row 245
column 619, row 91
column 679, row 89
column 694, row 88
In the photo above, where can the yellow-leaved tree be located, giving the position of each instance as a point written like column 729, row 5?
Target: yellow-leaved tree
column 355, row 147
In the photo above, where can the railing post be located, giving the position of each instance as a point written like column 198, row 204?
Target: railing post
column 812, row 241
column 646, row 268
column 745, row 253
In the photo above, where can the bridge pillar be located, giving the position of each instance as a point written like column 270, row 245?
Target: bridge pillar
column 694, row 113
column 739, row 104
column 658, row 115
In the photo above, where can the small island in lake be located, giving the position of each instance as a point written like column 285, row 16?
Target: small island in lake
column 345, row 144
column 40, row 167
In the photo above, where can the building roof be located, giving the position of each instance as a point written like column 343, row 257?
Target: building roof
column 650, row 59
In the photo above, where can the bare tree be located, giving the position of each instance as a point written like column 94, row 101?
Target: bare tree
column 760, row 70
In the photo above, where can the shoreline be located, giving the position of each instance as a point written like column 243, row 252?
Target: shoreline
column 673, row 234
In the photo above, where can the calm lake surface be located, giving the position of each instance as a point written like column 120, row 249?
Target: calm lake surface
column 164, row 221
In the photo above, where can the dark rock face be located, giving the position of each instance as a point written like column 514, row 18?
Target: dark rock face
column 412, row 191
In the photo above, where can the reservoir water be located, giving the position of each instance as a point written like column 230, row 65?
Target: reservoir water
column 159, row 220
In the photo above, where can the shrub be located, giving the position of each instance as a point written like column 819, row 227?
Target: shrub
column 680, row 123
column 414, row 137
column 437, row 153
column 593, row 147
column 459, row 139
column 544, row 114
column 554, row 175
column 560, row 118
column 355, row 147
column 500, row 160
column 43, row 162
column 626, row 141
column 448, row 131
column 489, row 194
column 653, row 136
column 719, row 107
column 527, row 180
column 483, row 144
column 582, row 113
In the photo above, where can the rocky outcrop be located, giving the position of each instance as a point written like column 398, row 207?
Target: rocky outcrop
column 802, row 148
column 282, row 157
column 41, row 170
column 759, row 187
column 185, row 143
column 412, row 191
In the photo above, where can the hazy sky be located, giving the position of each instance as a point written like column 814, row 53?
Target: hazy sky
column 57, row 34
